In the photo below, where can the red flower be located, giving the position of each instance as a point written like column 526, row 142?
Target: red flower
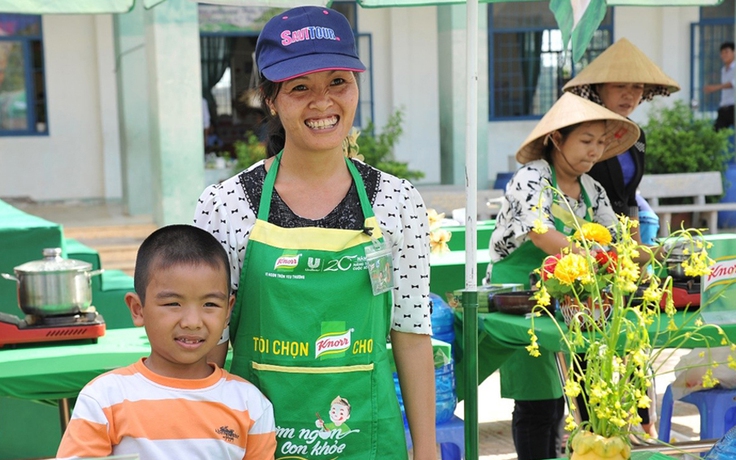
column 606, row 259
column 549, row 265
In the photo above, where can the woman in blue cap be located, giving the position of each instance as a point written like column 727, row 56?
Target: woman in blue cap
column 329, row 259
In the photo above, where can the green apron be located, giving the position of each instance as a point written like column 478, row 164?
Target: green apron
column 524, row 377
column 310, row 334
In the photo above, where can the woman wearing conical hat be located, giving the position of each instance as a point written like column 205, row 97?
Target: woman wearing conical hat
column 573, row 135
column 620, row 79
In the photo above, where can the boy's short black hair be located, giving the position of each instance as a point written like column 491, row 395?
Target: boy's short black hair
column 725, row 45
column 177, row 245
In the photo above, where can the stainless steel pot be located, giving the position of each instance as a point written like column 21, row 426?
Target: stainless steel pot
column 54, row 285
column 678, row 251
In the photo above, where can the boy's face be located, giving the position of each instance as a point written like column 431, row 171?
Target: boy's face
column 186, row 309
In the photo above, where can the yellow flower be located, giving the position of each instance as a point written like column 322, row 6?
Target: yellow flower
column 533, row 347
column 350, row 145
column 592, row 231
column 539, row 227
column 572, row 388
column 709, row 381
column 542, row 297
column 570, row 268
column 570, row 424
column 438, row 240
column 435, row 219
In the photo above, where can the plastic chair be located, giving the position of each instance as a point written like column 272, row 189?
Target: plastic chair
column 450, row 436
column 717, row 409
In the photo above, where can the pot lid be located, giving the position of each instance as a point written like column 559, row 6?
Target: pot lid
column 53, row 262
column 680, row 248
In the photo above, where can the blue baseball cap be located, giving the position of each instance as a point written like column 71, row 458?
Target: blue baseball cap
column 305, row 40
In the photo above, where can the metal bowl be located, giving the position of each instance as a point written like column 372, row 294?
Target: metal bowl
column 515, row 303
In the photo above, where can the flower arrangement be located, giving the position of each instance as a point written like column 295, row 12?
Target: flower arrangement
column 438, row 237
column 572, row 274
column 610, row 364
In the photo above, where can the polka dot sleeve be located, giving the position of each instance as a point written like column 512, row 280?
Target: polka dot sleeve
column 223, row 210
column 402, row 216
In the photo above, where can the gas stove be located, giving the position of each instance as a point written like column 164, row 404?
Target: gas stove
column 88, row 325
column 685, row 293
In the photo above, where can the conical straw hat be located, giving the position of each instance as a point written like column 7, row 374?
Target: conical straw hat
column 570, row 110
column 623, row 62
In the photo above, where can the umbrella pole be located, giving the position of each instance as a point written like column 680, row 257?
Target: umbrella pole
column 470, row 295
column 470, row 345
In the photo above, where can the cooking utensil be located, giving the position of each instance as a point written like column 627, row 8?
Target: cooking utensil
column 515, row 303
column 54, row 285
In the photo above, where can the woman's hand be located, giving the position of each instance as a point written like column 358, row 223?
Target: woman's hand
column 550, row 241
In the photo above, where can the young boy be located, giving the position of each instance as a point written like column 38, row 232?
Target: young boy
column 174, row 404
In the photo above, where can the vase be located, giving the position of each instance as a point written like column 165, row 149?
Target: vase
column 588, row 313
column 590, row 446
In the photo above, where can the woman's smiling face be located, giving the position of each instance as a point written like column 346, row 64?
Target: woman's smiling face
column 317, row 110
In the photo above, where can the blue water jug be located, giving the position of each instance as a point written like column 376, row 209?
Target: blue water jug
column 725, row 448
column 648, row 227
column 443, row 320
column 446, row 396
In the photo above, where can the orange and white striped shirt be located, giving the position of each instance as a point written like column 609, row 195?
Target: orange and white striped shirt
column 132, row 410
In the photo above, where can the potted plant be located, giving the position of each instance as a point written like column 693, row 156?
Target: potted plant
column 678, row 141
column 609, row 352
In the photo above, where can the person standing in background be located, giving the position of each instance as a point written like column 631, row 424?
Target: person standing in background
column 728, row 80
column 621, row 78
column 573, row 136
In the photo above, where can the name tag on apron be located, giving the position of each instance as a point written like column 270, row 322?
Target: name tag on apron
column 380, row 266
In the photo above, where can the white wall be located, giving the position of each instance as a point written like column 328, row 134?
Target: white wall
column 405, row 75
column 662, row 33
column 69, row 162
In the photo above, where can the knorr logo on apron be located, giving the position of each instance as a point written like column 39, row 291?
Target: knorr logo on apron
column 334, row 341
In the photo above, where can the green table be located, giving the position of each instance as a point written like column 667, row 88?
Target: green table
column 502, row 335
column 58, row 371
column 23, row 238
column 447, row 270
column 53, row 371
column 483, row 231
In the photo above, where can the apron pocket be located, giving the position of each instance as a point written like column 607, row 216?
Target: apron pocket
column 322, row 412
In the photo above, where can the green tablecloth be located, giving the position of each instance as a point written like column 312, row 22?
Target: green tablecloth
column 483, row 231
column 52, row 371
column 447, row 270
column 22, row 239
column 502, row 335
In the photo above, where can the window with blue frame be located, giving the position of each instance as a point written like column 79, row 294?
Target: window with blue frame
column 716, row 26
column 527, row 63
column 22, row 80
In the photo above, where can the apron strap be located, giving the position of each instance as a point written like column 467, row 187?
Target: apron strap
column 264, row 208
column 559, row 224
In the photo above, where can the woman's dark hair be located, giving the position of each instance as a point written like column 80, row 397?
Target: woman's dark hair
column 550, row 147
column 275, row 133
